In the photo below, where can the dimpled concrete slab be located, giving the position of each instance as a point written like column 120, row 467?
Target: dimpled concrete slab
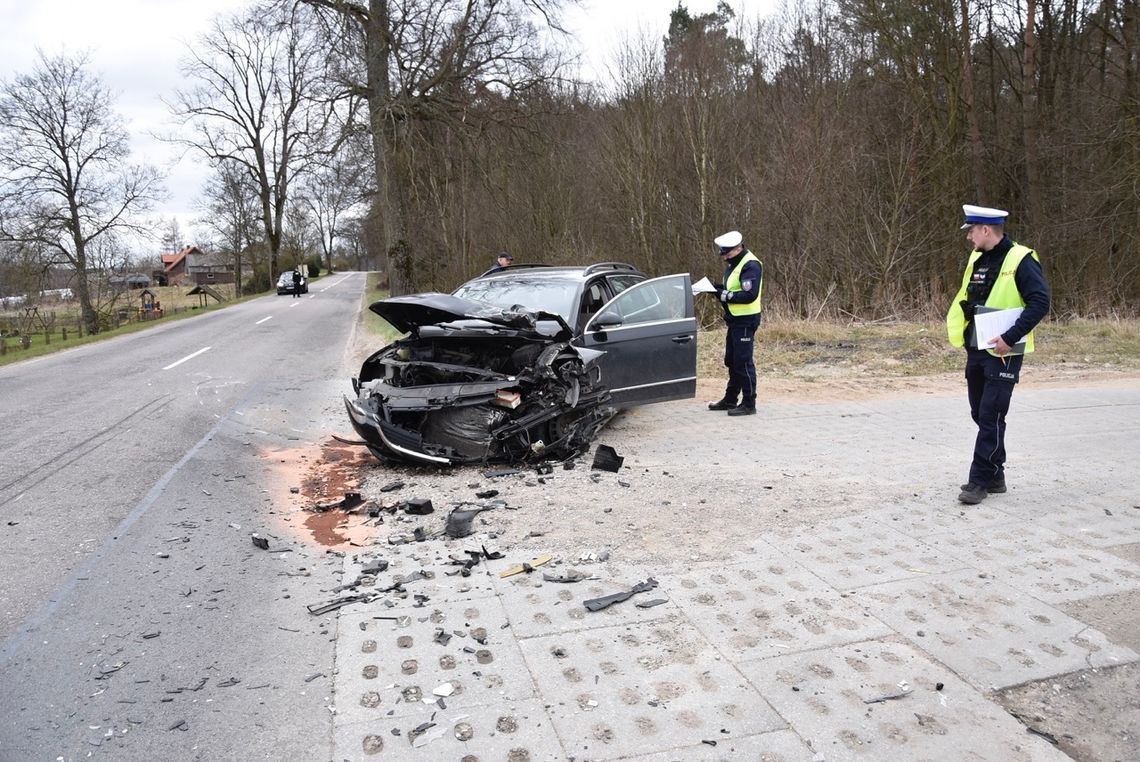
column 768, row 606
column 642, row 688
column 988, row 632
column 390, row 666
column 1094, row 520
column 777, row 746
column 536, row 607
column 856, row 551
column 920, row 521
column 1048, row 566
column 511, row 731
column 824, row 695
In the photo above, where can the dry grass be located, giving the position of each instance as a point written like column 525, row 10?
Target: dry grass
column 904, row 349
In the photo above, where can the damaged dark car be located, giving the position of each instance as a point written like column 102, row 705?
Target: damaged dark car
column 522, row 364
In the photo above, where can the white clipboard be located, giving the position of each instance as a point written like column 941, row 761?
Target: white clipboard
column 990, row 323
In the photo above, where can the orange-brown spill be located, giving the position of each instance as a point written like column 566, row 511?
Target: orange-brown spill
column 323, row 475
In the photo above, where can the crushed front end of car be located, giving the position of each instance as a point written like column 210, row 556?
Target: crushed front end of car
column 477, row 384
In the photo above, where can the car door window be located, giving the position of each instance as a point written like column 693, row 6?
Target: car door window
column 620, row 283
column 592, row 300
column 651, row 301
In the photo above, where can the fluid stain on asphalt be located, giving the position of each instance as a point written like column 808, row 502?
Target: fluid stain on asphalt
column 324, row 474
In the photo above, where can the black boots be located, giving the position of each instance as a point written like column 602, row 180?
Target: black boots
column 723, row 403
column 743, row 409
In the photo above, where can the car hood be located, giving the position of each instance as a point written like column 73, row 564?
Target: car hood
column 407, row 313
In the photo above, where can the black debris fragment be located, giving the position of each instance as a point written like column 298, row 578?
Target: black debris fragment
column 1047, row 736
column 180, row 725
column 607, row 459
column 491, row 555
column 544, row 468
column 708, row 741
column 419, row 730
column 314, row 676
column 260, row 541
column 417, row 506
column 650, row 604
column 229, row 682
column 500, row 472
column 375, row 567
column 484, row 494
column 597, row 604
column 460, row 521
column 939, row 686
column 316, row 609
column 392, row 486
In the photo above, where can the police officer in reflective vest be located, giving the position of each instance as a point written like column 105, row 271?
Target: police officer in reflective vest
column 740, row 299
column 1001, row 276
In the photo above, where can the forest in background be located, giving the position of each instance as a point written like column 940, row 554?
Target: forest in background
column 841, row 137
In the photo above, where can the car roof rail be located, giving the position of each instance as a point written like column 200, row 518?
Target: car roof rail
column 609, row 266
column 523, row 265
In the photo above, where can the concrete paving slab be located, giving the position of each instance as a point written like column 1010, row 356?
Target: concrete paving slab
column 642, row 688
column 518, row 731
column 1094, row 520
column 988, row 632
column 1048, row 566
column 824, row 695
column 536, row 607
column 921, row 520
column 777, row 746
column 767, row 605
column 392, row 666
column 856, row 551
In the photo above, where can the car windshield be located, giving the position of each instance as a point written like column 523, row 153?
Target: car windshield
column 533, row 293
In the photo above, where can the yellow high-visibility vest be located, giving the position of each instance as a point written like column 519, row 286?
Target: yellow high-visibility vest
column 733, row 284
column 1004, row 295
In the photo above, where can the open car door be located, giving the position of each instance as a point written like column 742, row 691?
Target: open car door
column 649, row 335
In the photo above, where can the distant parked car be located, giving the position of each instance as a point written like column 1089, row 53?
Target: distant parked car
column 285, row 283
column 526, row 362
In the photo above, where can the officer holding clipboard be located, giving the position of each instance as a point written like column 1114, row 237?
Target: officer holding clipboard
column 1002, row 297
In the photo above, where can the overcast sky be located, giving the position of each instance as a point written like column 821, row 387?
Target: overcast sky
column 135, row 46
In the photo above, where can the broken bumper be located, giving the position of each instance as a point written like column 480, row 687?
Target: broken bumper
column 385, row 438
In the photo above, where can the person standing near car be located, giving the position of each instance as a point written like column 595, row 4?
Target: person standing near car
column 1000, row 275
column 502, row 259
column 296, row 283
column 740, row 299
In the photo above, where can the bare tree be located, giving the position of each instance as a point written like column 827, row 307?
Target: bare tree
column 231, row 208
column 67, row 185
column 256, row 103
column 430, row 62
column 330, row 190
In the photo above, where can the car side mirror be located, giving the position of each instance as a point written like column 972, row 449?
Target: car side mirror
column 606, row 319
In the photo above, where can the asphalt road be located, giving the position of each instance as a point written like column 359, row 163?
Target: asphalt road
column 132, row 474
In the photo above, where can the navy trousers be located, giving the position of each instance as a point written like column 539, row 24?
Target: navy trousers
column 738, row 344
column 989, row 383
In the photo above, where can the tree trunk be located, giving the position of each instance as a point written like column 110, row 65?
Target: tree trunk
column 977, row 148
column 1029, row 116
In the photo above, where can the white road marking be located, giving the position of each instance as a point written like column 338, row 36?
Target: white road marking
column 187, row 357
column 259, row 322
